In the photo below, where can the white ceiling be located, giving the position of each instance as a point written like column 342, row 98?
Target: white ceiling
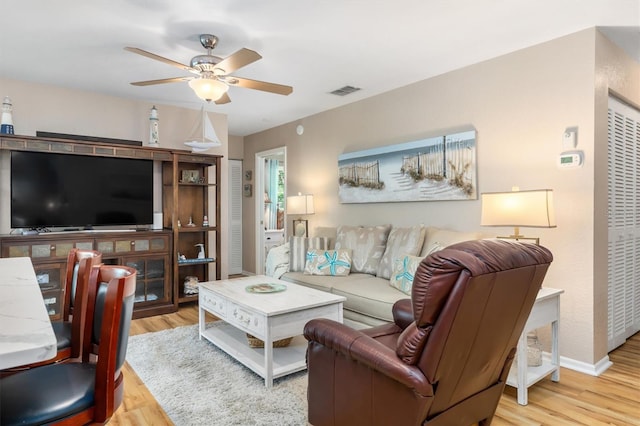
column 314, row 46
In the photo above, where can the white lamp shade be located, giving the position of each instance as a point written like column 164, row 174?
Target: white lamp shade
column 208, row 89
column 519, row 208
column 300, row 204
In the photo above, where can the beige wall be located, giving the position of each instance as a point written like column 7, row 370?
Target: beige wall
column 236, row 147
column 520, row 104
column 58, row 110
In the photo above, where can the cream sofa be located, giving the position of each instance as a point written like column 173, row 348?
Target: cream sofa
column 368, row 285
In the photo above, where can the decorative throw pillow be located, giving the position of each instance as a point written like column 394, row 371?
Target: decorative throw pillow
column 328, row 262
column 401, row 241
column 446, row 237
column 367, row 245
column 404, row 269
column 298, row 247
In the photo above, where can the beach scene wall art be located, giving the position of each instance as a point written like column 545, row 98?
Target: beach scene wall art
column 431, row 169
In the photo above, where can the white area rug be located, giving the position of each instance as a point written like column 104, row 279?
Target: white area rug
column 198, row 384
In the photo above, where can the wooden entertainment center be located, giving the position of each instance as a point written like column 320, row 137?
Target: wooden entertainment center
column 190, row 190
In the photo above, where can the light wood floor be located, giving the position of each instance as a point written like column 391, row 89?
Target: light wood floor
column 578, row 399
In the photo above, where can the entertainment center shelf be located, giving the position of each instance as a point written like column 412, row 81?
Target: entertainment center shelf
column 190, row 191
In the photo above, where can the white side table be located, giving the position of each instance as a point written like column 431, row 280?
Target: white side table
column 546, row 310
column 272, row 238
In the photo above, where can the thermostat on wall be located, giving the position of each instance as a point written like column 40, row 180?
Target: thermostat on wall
column 570, row 159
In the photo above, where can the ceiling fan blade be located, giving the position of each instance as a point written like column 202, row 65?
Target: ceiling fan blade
column 224, row 99
column 161, row 59
column 161, row 81
column 241, row 58
column 260, row 85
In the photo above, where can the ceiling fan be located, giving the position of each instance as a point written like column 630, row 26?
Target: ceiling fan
column 213, row 77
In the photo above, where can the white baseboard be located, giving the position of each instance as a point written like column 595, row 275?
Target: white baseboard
column 583, row 367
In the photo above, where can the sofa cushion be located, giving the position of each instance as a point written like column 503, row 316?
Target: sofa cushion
column 404, row 269
column 328, row 262
column 367, row 296
column 401, row 242
column 367, row 246
column 372, row 296
column 298, row 247
column 320, row 282
column 445, row 237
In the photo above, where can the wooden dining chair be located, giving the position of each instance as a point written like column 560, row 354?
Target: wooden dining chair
column 89, row 391
column 69, row 331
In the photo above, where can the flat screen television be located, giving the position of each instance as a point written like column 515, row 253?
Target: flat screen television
column 68, row 190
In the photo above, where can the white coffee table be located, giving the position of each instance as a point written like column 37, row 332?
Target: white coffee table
column 267, row 316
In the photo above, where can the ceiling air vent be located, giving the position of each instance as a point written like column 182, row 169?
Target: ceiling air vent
column 345, row 90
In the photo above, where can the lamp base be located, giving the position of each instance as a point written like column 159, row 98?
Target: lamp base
column 521, row 238
column 300, row 228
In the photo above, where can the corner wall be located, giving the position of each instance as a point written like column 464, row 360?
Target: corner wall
column 520, row 104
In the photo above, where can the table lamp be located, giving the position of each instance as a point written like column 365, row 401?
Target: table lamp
column 517, row 208
column 300, row 205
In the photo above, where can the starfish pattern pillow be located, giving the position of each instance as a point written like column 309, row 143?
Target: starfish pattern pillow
column 404, row 269
column 328, row 262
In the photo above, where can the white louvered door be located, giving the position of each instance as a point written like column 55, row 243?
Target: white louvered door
column 235, row 217
column 623, row 222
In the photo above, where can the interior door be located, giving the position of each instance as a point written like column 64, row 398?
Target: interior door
column 235, row 217
column 261, row 180
column 623, row 223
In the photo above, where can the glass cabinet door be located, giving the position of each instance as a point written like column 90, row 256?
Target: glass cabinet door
column 151, row 279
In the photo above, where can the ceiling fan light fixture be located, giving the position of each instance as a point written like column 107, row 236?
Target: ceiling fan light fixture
column 208, row 89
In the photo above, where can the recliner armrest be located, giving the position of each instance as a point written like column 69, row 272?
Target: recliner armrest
column 366, row 350
column 402, row 313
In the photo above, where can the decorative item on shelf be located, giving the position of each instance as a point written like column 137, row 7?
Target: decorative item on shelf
column 203, row 136
column 190, row 176
column 534, row 350
column 191, row 285
column 154, row 131
column 181, row 257
column 179, row 224
column 205, row 221
column 300, row 205
column 183, row 261
column 201, row 254
column 254, row 342
column 190, row 224
column 517, row 208
column 6, row 125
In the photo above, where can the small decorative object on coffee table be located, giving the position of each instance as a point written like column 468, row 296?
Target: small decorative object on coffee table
column 254, row 342
column 265, row 288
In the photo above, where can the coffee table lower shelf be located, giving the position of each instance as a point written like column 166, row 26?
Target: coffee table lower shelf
column 233, row 341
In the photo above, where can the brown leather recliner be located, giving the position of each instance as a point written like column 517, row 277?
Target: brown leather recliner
column 446, row 357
